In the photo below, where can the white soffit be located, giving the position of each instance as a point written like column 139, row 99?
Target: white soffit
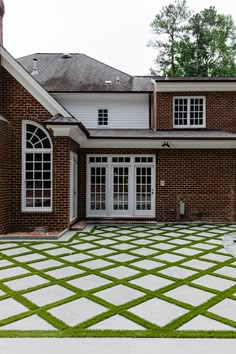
column 31, row 85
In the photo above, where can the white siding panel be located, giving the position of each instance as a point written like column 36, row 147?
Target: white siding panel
column 126, row 111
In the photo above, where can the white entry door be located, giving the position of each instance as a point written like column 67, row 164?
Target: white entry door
column 73, row 186
column 121, row 186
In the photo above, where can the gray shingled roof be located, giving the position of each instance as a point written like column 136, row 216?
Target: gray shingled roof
column 81, row 73
column 161, row 134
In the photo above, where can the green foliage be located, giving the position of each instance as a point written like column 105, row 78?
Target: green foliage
column 205, row 46
column 169, row 25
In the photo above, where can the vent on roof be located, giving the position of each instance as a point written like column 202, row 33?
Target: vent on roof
column 107, row 82
column 35, row 67
column 118, row 80
column 66, row 55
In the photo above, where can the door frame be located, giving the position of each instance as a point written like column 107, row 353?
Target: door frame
column 109, row 185
column 73, row 186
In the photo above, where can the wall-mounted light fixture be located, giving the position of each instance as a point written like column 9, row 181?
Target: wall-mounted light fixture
column 166, row 144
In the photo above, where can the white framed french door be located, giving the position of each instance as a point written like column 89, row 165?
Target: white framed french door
column 121, row 186
column 73, row 186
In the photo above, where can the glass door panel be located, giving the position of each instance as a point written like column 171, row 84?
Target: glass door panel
column 121, row 190
column 144, row 190
column 98, row 190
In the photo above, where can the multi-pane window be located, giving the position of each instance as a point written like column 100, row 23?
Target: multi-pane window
column 189, row 112
column 37, row 169
column 103, row 117
column 98, row 188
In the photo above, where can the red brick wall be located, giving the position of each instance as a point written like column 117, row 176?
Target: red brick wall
column 19, row 105
column 5, row 177
column 220, row 109
column 205, row 179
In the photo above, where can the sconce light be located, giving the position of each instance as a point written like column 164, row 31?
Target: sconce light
column 166, row 144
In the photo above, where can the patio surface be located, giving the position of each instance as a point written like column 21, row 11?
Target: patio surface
column 121, row 281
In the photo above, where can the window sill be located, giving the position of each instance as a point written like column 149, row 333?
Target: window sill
column 36, row 210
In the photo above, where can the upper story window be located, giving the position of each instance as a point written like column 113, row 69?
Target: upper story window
column 189, row 112
column 37, row 168
column 103, row 117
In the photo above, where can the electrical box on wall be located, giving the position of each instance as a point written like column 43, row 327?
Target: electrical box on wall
column 162, row 183
column 181, row 207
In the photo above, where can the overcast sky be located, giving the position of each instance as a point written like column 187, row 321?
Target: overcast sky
column 112, row 31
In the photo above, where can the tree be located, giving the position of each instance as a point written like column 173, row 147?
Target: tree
column 169, row 25
column 203, row 44
column 210, row 47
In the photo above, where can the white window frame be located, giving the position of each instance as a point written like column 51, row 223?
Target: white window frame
column 24, row 208
column 188, row 112
column 108, row 113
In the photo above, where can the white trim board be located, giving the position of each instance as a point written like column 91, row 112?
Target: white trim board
column 157, row 144
column 195, row 86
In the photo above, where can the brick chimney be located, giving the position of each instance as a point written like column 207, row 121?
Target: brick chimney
column 2, row 12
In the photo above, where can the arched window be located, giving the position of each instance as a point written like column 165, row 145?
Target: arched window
column 37, row 168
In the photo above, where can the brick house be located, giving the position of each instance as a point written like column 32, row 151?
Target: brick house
column 82, row 140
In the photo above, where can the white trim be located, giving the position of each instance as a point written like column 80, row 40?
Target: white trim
column 109, row 165
column 157, row 144
column 23, row 153
column 73, row 185
column 195, row 86
column 67, row 130
column 31, row 85
column 188, row 112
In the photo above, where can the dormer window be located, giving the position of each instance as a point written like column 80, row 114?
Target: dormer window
column 189, row 112
column 103, row 117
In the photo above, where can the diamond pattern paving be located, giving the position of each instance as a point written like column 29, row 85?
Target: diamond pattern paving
column 133, row 278
column 158, row 311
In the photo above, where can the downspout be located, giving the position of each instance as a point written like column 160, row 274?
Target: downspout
column 154, row 116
